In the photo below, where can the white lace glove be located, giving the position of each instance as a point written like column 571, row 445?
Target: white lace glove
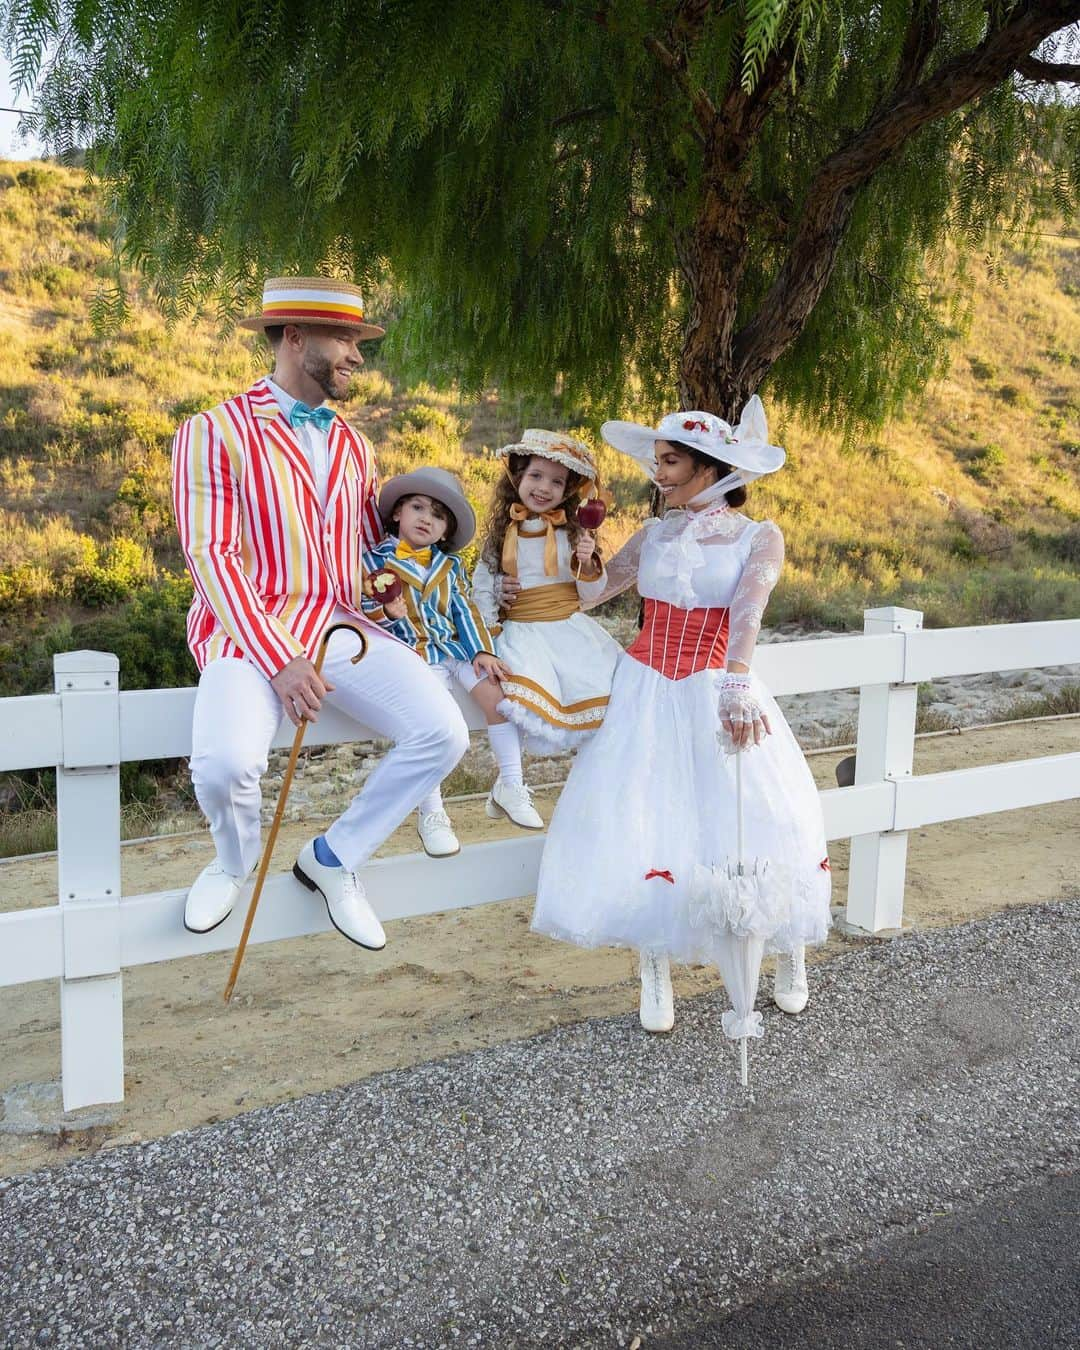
column 743, row 722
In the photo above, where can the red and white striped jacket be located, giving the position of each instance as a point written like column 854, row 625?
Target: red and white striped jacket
column 269, row 565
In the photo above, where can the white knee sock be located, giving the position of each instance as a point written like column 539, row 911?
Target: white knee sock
column 432, row 802
column 506, row 747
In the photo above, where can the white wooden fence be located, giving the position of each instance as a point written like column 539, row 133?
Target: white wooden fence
column 87, row 728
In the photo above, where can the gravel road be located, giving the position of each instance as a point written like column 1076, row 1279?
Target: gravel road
column 584, row 1188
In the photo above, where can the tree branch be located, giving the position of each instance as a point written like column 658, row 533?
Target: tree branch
column 827, row 207
column 702, row 104
column 580, row 115
column 922, row 34
column 1047, row 72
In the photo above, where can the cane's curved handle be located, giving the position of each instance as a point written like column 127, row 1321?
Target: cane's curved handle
column 335, row 628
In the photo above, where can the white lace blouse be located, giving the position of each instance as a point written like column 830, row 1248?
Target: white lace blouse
column 711, row 559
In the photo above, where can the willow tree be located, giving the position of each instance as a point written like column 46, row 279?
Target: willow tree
column 627, row 196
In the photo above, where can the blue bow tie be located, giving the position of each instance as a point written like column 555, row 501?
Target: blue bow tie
column 321, row 416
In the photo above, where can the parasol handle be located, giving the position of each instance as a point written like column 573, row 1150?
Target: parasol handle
column 738, row 808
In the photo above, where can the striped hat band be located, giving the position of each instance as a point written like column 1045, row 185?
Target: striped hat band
column 314, row 300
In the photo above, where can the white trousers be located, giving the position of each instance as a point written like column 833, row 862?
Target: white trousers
column 391, row 691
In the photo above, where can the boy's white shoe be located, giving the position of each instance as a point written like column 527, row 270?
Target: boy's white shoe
column 437, row 835
column 346, row 902
column 515, row 801
column 657, row 1010
column 211, row 898
column 790, row 989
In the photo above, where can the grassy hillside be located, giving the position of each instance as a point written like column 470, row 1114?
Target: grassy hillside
column 968, row 509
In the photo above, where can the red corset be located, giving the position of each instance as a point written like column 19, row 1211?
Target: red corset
column 680, row 642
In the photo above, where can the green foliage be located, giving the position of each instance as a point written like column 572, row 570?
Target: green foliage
column 111, row 573
column 986, row 463
column 527, row 199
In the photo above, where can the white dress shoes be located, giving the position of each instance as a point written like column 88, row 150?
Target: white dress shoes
column 657, row 1003
column 437, row 835
column 790, row 989
column 514, row 800
column 211, row 898
column 346, row 903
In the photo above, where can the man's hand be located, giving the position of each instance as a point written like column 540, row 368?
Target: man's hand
column 490, row 667
column 395, row 609
column 301, row 690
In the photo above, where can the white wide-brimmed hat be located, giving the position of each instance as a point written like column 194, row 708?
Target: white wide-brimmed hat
column 441, row 486
column 745, row 447
column 566, row 450
column 315, row 300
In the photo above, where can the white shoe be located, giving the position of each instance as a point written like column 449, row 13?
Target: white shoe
column 515, row 801
column 657, row 1004
column 437, row 835
column 790, row 990
column 211, row 898
column 346, row 902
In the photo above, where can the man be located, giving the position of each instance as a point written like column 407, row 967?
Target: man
column 275, row 499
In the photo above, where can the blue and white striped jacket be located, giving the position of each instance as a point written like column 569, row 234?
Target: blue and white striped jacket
column 442, row 621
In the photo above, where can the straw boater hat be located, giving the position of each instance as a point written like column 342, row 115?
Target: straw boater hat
column 745, row 447
column 443, row 487
column 572, row 454
column 319, row 300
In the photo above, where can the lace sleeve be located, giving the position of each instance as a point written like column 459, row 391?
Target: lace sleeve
column 620, row 573
column 485, row 594
column 758, row 578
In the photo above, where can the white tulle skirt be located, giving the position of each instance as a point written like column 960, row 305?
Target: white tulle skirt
column 648, row 819
column 558, row 695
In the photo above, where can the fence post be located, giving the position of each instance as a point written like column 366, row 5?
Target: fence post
column 88, row 867
column 884, row 750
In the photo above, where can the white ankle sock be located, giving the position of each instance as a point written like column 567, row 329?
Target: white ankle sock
column 506, row 746
column 432, row 802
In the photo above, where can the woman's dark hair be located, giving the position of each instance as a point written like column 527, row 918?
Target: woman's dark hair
column 440, row 511
column 737, row 495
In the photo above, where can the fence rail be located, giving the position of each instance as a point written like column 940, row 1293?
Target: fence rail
column 87, row 728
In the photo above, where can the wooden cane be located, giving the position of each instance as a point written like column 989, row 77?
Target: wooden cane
column 286, row 783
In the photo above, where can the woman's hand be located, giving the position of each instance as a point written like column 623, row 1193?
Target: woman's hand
column 509, row 590
column 490, row 667
column 395, row 609
column 743, row 721
column 585, row 549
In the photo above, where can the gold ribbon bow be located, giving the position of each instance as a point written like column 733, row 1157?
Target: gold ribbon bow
column 552, row 520
column 409, row 554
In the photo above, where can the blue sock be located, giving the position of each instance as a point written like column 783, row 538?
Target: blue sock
column 325, row 854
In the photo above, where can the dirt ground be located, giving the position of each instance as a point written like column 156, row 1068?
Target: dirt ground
column 317, row 1012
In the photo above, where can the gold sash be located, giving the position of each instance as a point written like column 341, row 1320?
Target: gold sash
column 544, row 604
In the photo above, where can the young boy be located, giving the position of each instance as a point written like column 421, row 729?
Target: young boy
column 421, row 511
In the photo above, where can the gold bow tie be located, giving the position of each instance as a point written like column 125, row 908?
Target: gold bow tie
column 552, row 521
column 406, row 552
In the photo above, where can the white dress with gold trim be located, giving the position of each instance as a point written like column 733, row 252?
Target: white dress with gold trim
column 563, row 666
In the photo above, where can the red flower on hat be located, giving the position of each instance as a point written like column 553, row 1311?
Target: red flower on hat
column 695, row 426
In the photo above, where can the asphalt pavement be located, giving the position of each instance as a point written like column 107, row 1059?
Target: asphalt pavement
column 595, row 1185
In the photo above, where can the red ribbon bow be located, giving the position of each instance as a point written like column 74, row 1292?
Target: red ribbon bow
column 657, row 873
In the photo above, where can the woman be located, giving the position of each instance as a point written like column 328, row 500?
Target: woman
column 649, row 810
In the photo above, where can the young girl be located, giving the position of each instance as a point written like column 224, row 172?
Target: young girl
column 421, row 511
column 653, row 793
column 536, row 563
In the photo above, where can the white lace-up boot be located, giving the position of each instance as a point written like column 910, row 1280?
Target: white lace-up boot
column 437, row 834
column 514, row 800
column 657, row 1003
column 790, row 990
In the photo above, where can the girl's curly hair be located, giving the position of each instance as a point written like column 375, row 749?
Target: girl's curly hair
column 506, row 494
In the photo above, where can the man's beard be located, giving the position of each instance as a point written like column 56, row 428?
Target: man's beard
column 321, row 370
